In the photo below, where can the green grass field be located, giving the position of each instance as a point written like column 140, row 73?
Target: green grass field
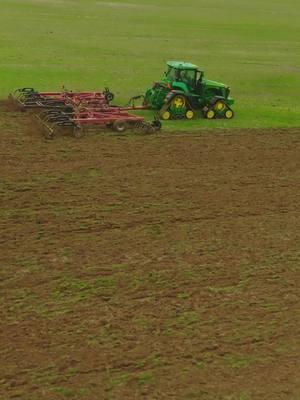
column 87, row 44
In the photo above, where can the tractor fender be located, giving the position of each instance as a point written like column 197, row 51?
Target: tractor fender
column 180, row 86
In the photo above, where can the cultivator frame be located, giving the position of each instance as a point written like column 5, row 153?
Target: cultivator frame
column 75, row 112
column 29, row 98
column 77, row 122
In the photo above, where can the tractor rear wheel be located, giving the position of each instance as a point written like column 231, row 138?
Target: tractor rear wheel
column 119, row 126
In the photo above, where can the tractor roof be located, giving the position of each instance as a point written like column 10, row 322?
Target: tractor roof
column 182, row 65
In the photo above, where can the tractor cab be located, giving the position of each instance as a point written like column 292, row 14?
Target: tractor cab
column 183, row 76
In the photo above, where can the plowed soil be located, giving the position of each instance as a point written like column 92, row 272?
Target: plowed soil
column 149, row 267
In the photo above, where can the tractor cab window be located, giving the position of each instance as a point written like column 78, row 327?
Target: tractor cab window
column 171, row 74
column 199, row 76
column 188, row 76
column 199, row 85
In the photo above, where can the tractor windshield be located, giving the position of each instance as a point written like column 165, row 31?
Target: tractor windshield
column 187, row 76
column 172, row 74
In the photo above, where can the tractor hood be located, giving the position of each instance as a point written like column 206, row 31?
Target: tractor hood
column 215, row 84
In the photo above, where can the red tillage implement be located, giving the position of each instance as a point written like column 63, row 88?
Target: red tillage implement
column 77, row 111
column 29, row 98
column 77, row 122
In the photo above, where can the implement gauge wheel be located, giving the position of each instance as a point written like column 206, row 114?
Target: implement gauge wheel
column 119, row 126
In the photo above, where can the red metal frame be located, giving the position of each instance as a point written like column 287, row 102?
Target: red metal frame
column 81, row 109
column 32, row 99
column 77, row 98
column 104, row 117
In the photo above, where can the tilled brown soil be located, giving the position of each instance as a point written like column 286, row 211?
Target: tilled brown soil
column 149, row 267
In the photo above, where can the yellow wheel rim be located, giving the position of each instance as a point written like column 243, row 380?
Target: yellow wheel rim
column 229, row 114
column 210, row 114
column 166, row 115
column 219, row 105
column 179, row 102
column 189, row 114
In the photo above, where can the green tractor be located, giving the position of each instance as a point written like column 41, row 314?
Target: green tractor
column 184, row 90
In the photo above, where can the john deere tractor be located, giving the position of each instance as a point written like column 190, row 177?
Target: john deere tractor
column 183, row 90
